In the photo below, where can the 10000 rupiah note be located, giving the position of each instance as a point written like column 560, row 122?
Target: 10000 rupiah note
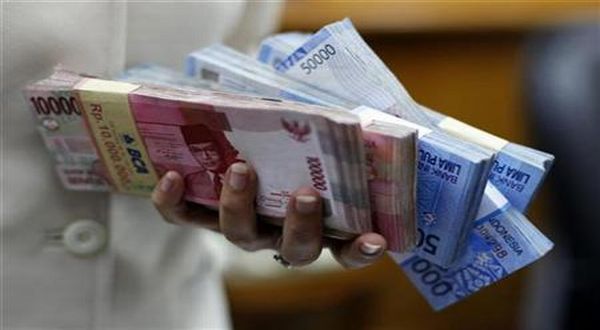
column 58, row 115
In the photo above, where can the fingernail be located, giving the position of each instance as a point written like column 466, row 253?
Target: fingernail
column 238, row 176
column 306, row 204
column 167, row 182
column 370, row 249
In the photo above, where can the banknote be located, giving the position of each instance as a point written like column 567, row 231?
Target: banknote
column 234, row 70
column 143, row 131
column 440, row 188
column 501, row 242
column 518, row 171
column 241, row 73
column 391, row 156
column 275, row 48
column 154, row 74
column 446, row 192
column 57, row 115
column 343, row 64
column 381, row 161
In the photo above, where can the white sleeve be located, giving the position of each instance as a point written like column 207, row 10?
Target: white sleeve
column 260, row 19
column 164, row 34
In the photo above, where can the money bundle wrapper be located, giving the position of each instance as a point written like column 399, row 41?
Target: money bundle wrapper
column 140, row 132
column 501, row 240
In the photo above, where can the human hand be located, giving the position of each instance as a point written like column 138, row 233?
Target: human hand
column 299, row 242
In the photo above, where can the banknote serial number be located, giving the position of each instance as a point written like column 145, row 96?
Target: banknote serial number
column 56, row 106
column 315, row 168
column 318, row 58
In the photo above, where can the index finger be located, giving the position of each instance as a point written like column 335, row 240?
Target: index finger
column 167, row 198
column 302, row 229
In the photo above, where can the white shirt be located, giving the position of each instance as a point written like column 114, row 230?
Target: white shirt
column 152, row 275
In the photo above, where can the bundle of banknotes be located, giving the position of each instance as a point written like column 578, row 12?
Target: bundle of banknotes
column 312, row 109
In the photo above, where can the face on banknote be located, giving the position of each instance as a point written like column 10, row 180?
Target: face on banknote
column 189, row 140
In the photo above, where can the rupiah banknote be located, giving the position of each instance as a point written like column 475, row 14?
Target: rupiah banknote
column 391, row 156
column 502, row 239
column 235, row 71
column 58, row 117
column 319, row 110
column 140, row 132
column 444, row 185
column 518, row 170
column 501, row 242
column 451, row 173
column 389, row 151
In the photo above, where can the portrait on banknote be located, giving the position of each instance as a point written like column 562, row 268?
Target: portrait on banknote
column 189, row 140
column 214, row 154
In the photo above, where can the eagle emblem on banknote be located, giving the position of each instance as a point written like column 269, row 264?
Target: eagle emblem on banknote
column 297, row 130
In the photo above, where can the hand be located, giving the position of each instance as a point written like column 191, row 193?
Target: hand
column 299, row 242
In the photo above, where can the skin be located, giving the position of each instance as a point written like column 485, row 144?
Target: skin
column 207, row 155
column 299, row 242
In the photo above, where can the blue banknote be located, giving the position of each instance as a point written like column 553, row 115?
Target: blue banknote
column 235, row 71
column 517, row 179
column 274, row 49
column 272, row 52
column 154, row 74
column 518, row 171
column 342, row 63
column 501, row 242
column 449, row 188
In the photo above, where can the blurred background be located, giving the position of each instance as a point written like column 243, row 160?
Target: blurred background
column 526, row 71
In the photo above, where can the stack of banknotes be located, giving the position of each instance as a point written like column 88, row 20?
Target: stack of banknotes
column 451, row 172
column 312, row 109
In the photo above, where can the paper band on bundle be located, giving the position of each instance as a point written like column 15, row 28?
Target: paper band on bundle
column 470, row 133
column 112, row 126
column 367, row 115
